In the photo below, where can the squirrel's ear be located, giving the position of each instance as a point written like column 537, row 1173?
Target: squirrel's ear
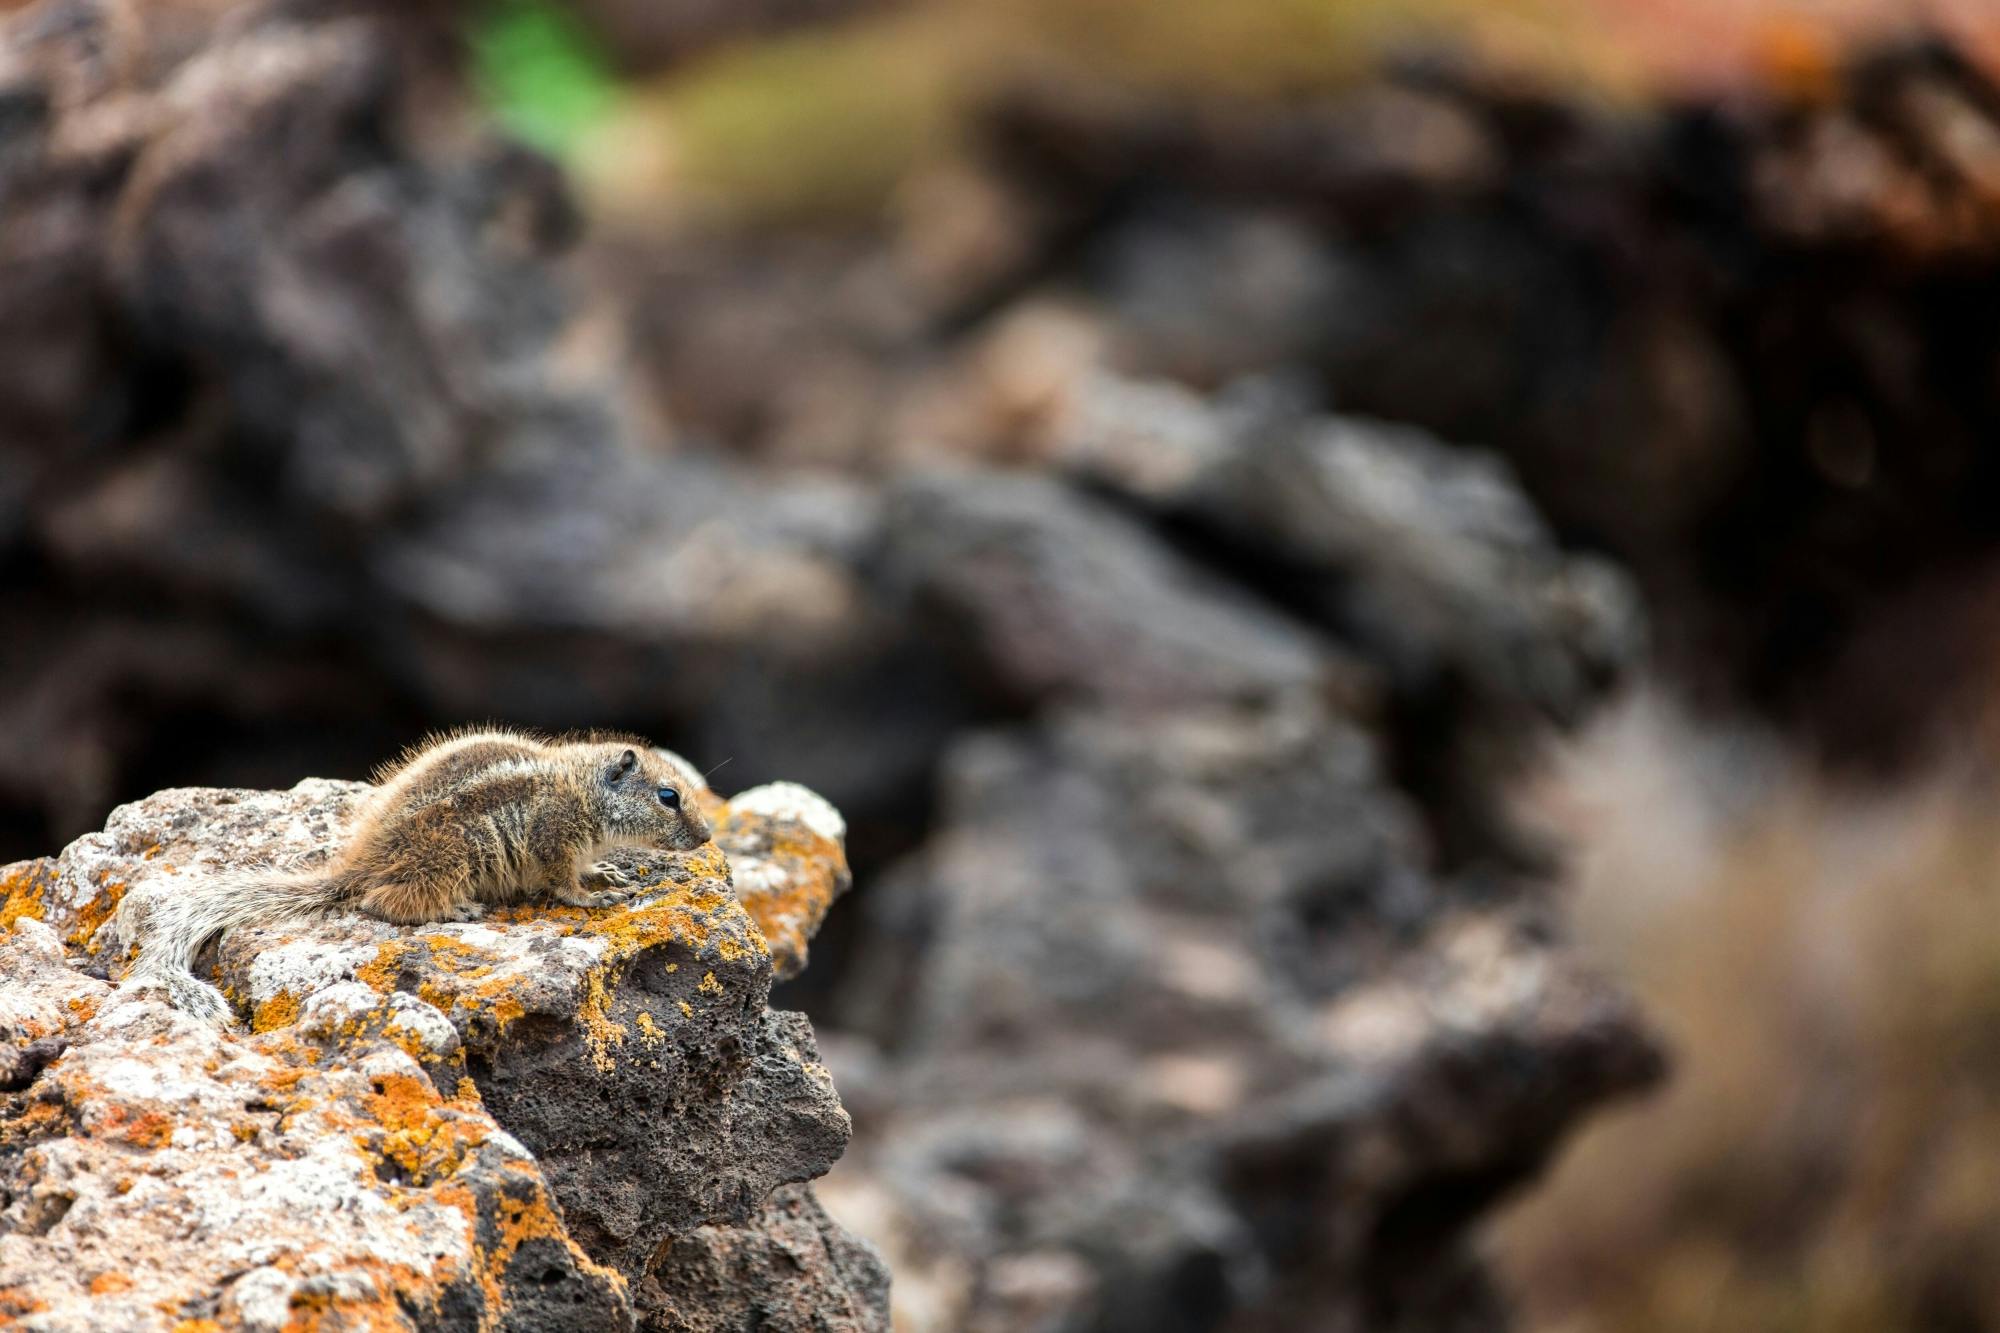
column 627, row 762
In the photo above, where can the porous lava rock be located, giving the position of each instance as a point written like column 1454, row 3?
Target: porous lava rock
column 505, row 1123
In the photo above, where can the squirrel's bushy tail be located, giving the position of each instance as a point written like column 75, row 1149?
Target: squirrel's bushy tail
column 167, row 920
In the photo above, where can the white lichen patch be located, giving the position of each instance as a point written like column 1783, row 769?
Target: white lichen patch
column 30, row 1007
column 752, row 874
column 201, row 1163
column 789, row 800
column 473, row 937
column 406, row 1020
column 303, row 967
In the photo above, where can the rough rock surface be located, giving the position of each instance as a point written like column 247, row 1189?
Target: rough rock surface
column 528, row 1121
column 1053, row 595
column 769, row 1275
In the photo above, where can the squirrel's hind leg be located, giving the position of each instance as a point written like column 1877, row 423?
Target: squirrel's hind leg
column 409, row 903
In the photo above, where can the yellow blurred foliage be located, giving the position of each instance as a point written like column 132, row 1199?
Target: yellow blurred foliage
column 1826, row 966
column 831, row 120
column 828, row 121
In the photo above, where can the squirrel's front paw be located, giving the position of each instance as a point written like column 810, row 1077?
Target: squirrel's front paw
column 606, row 872
column 466, row 912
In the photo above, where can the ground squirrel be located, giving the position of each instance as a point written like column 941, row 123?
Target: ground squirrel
column 463, row 820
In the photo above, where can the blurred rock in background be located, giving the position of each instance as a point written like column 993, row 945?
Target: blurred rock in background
column 1737, row 344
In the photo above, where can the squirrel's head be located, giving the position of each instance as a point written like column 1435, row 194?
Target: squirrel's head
column 646, row 799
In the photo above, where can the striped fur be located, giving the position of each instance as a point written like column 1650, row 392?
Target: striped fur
column 465, row 820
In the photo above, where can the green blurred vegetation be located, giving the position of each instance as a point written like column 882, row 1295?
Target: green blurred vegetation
column 541, row 72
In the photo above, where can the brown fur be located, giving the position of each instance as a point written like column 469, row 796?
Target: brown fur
column 490, row 817
column 461, row 821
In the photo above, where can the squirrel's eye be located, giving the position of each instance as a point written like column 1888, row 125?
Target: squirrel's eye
column 670, row 798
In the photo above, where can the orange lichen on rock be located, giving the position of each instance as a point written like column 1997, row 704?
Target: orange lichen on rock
column 520, row 1212
column 382, row 1309
column 145, row 1129
column 601, row 1032
column 41, row 1120
column 689, row 916
column 93, row 914
column 787, row 876
column 520, row 1220
column 483, row 987
column 381, row 974
column 281, row 1010
column 506, row 1010
column 21, row 888
column 415, row 1129
column 14, row 1303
